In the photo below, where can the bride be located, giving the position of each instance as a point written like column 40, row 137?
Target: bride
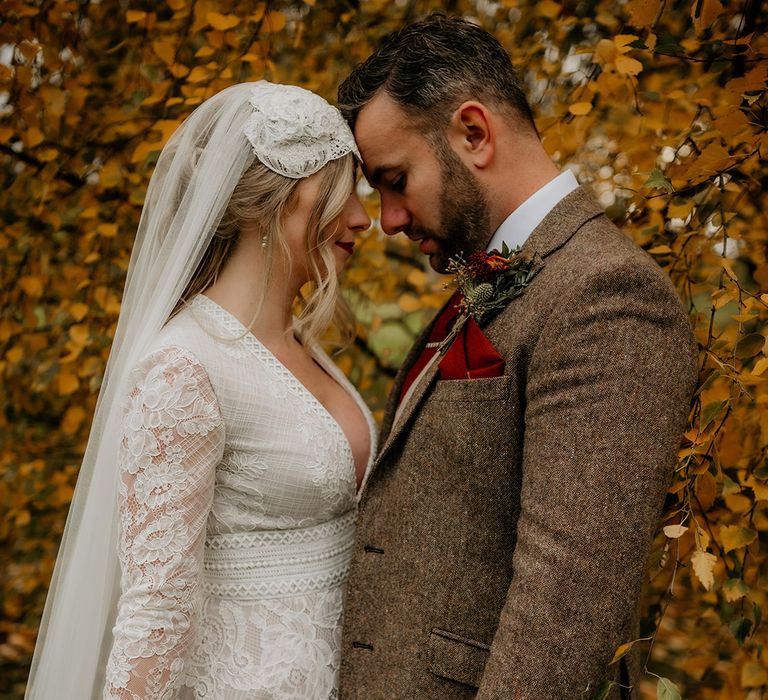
column 209, row 538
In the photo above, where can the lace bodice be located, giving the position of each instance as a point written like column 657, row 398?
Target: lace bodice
column 237, row 502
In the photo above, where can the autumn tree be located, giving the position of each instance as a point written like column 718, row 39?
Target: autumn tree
column 660, row 109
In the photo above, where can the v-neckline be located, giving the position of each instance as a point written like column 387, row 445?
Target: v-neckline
column 241, row 332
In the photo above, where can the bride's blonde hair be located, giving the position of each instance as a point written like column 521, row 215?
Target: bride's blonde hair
column 261, row 200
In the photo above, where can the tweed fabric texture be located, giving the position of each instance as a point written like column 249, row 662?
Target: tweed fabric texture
column 504, row 528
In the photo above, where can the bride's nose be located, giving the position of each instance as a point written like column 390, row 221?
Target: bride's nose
column 357, row 218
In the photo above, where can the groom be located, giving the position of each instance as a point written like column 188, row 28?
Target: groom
column 504, row 528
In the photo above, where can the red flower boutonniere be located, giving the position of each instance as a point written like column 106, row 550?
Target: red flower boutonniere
column 487, row 283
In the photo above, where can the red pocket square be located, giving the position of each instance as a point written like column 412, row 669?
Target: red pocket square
column 471, row 356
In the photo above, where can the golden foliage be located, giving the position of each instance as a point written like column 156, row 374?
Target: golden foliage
column 661, row 110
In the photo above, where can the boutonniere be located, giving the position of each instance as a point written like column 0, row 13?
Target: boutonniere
column 487, row 283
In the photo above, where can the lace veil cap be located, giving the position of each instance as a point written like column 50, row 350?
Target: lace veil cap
column 293, row 132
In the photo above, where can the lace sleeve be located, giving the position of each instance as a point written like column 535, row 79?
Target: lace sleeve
column 173, row 438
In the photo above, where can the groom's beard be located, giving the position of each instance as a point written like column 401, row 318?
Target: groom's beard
column 464, row 212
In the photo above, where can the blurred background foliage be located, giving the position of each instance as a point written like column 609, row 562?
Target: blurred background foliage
column 658, row 106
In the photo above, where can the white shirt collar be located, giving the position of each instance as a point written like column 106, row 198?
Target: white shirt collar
column 516, row 228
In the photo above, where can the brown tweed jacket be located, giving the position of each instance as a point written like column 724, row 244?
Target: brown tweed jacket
column 503, row 532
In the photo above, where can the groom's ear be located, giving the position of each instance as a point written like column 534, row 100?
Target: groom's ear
column 471, row 133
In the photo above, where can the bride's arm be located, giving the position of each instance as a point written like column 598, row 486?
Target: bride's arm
column 173, row 438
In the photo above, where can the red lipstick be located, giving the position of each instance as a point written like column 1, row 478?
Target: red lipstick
column 347, row 246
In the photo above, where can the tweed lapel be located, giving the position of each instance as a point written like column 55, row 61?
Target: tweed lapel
column 554, row 231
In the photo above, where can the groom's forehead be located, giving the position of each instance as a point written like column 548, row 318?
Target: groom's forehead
column 380, row 121
column 385, row 135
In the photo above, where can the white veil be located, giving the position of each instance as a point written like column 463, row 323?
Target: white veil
column 190, row 188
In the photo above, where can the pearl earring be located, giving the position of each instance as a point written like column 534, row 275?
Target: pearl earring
column 264, row 241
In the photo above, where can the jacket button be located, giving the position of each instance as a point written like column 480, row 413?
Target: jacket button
column 362, row 645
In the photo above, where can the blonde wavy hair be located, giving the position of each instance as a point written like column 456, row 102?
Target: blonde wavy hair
column 261, row 200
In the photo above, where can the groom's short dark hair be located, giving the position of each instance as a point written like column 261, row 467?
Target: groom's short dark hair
column 430, row 67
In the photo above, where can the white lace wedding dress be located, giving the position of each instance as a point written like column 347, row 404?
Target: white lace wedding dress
column 238, row 499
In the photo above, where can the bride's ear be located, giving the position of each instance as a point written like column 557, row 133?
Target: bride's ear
column 472, row 135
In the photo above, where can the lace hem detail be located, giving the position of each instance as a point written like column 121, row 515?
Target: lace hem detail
column 260, row 565
column 246, row 540
column 255, row 591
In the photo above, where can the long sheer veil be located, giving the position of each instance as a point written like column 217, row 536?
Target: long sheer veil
column 187, row 196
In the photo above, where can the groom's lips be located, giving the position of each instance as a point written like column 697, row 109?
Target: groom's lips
column 347, row 246
column 428, row 246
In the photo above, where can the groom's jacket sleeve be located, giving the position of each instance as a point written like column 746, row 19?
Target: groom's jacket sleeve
column 609, row 388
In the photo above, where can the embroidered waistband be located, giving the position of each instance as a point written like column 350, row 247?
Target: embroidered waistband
column 279, row 563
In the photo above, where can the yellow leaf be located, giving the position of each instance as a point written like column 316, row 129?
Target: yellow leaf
column 675, row 531
column 32, row 137
column 760, row 490
column 135, row 16
column 79, row 333
column 680, row 211
column 702, row 539
column 627, row 65
column 705, row 12
column 164, row 50
column 274, row 21
column 733, row 589
column 760, row 366
column 198, row 75
column 417, row 278
column 622, row 41
column 706, row 490
column 624, row 648
column 166, row 128
column 736, row 537
column 15, row 354
column 251, row 58
column 548, row 9
column 738, row 503
column 46, row 155
column 178, row 71
column 731, row 123
column 753, row 675
column 5, row 134
column 409, row 303
column 32, row 285
column 78, row 311
column 205, row 51
column 703, row 566
column 643, row 12
column 660, row 250
column 67, row 382
column 107, row 230
column 728, row 268
column 222, row 22
column 73, row 419
column 141, row 151
column 580, row 108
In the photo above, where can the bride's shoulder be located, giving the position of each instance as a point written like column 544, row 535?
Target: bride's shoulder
column 180, row 348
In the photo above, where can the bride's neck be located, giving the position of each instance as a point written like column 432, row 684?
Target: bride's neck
column 239, row 289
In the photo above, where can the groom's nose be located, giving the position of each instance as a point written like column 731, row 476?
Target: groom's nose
column 394, row 218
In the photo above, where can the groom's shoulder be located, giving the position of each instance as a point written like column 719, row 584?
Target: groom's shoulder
column 600, row 248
